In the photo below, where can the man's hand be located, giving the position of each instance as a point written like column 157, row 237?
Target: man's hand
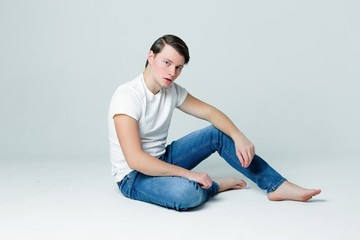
column 245, row 150
column 203, row 179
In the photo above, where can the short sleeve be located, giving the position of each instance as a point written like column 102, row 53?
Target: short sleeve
column 125, row 101
column 181, row 94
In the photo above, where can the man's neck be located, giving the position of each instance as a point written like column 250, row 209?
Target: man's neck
column 150, row 82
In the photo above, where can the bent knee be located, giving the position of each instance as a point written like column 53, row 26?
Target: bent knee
column 186, row 195
column 213, row 130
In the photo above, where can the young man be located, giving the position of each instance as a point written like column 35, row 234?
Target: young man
column 147, row 169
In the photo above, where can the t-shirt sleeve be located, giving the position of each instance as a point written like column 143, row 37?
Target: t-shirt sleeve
column 125, row 101
column 181, row 94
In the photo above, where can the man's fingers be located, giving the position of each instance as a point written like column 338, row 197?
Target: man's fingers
column 251, row 156
column 249, row 153
column 241, row 159
column 245, row 155
column 206, row 182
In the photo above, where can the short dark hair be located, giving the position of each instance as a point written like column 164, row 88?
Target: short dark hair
column 177, row 43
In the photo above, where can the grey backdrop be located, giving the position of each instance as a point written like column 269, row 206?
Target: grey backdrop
column 286, row 72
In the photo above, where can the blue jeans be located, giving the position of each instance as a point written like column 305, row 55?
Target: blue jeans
column 180, row 193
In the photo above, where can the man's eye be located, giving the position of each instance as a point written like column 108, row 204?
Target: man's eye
column 167, row 62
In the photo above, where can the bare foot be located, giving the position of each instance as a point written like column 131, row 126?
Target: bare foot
column 231, row 183
column 291, row 191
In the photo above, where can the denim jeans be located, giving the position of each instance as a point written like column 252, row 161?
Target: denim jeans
column 180, row 193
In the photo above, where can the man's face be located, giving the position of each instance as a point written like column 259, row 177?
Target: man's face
column 166, row 66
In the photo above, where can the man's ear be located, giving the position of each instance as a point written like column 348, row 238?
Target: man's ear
column 150, row 57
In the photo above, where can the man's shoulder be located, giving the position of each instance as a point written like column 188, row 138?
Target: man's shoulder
column 133, row 86
column 134, row 83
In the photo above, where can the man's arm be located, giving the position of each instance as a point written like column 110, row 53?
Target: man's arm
column 137, row 159
column 245, row 150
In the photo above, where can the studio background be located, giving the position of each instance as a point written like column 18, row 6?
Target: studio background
column 286, row 72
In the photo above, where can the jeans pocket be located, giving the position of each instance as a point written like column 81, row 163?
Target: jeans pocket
column 125, row 185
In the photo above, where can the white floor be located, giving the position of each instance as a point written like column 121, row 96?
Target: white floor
column 75, row 198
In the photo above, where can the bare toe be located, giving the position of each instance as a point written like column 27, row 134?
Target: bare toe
column 231, row 184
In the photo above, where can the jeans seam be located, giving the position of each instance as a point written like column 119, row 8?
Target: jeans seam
column 129, row 182
column 273, row 189
column 192, row 151
column 249, row 172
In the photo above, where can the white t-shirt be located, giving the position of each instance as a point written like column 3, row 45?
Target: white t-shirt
column 153, row 113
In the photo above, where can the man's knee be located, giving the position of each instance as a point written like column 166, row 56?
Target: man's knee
column 186, row 195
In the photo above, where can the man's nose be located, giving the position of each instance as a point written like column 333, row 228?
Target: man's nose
column 172, row 71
